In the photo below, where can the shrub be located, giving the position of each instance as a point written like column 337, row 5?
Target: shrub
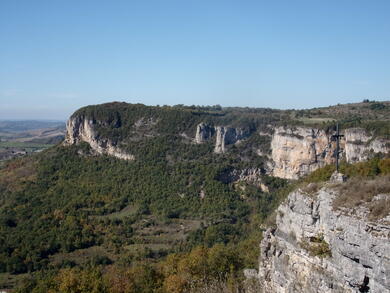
column 317, row 246
column 377, row 106
column 320, row 175
column 371, row 168
column 384, row 166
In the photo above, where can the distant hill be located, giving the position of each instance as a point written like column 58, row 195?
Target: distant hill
column 32, row 130
column 27, row 125
column 19, row 138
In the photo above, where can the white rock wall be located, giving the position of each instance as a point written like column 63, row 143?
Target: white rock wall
column 359, row 144
column 360, row 250
column 297, row 151
column 79, row 129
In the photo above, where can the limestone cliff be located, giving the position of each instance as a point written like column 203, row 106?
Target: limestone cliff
column 290, row 153
column 297, row 151
column 224, row 135
column 79, row 129
column 359, row 145
column 203, row 133
column 228, row 135
column 315, row 248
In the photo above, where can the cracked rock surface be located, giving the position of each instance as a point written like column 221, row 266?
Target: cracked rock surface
column 358, row 259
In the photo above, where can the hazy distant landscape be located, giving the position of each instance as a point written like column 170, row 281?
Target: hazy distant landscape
column 18, row 138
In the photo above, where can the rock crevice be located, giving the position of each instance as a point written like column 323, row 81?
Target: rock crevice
column 317, row 249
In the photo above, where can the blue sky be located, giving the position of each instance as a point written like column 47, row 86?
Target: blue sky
column 56, row 56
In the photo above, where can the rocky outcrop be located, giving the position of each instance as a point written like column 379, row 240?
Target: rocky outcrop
column 317, row 249
column 252, row 176
column 80, row 129
column 203, row 133
column 297, row 151
column 228, row 135
column 359, row 145
column 225, row 135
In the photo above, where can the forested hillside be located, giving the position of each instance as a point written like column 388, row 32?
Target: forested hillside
column 66, row 208
column 173, row 219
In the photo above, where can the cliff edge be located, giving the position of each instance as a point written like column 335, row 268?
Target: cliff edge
column 288, row 151
column 298, row 151
column 330, row 241
column 79, row 128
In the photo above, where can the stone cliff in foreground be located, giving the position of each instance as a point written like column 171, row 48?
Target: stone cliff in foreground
column 317, row 247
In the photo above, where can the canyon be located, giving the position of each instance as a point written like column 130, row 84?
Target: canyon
column 314, row 246
column 130, row 176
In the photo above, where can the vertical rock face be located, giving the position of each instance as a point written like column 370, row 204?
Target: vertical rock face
column 359, row 144
column 354, row 255
column 203, row 133
column 225, row 135
column 228, row 135
column 80, row 129
column 297, row 151
column 220, row 140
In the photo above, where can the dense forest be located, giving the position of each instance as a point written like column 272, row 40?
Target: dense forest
column 72, row 243
column 74, row 221
column 63, row 200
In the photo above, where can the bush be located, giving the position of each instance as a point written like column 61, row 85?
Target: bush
column 317, row 246
column 371, row 168
column 320, row 175
column 377, row 106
